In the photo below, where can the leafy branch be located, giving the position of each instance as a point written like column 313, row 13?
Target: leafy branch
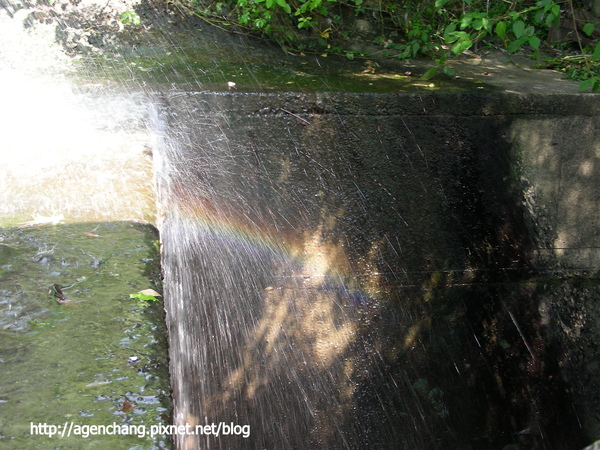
column 436, row 29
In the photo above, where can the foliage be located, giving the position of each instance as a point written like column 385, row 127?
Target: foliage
column 146, row 296
column 404, row 29
column 130, row 17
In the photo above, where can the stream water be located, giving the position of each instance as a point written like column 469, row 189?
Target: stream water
column 76, row 195
column 89, row 356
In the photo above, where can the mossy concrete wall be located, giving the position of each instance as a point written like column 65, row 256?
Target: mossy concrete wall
column 559, row 164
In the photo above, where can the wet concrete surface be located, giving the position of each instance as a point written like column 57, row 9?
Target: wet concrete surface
column 422, row 211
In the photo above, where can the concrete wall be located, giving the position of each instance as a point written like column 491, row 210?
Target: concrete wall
column 560, row 164
column 464, row 225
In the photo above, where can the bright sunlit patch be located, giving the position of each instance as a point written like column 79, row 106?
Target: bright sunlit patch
column 320, row 258
column 67, row 153
column 42, row 124
column 586, row 168
column 42, row 220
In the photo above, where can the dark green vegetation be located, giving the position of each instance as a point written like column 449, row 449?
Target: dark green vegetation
column 565, row 32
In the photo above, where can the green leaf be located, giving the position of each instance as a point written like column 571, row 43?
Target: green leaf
column 553, row 16
column 415, row 48
column 518, row 28
column 501, row 30
column 515, row 46
column 304, row 22
column 461, row 46
column 596, row 54
column 588, row 29
column 534, row 42
column 284, row 6
column 350, row 55
column 448, row 71
column 586, row 84
column 430, row 73
column 147, row 295
column 529, row 31
column 449, row 35
column 439, row 4
column 144, row 297
column 244, row 18
column 466, row 21
column 130, row 17
column 487, row 26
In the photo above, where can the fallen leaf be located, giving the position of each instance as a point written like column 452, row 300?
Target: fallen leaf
column 91, row 235
column 56, row 291
column 151, row 292
column 127, row 406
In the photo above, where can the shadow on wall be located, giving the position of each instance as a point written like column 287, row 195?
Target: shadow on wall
column 560, row 157
column 352, row 281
